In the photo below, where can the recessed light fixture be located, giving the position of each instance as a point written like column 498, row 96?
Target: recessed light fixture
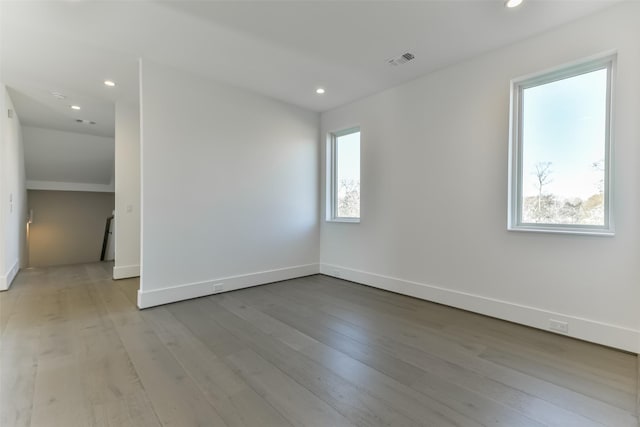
column 109, row 83
column 512, row 3
column 320, row 91
column 74, row 107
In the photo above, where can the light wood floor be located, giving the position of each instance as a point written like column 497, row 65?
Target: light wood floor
column 315, row 351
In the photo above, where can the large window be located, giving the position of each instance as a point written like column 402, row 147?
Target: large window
column 560, row 150
column 344, row 171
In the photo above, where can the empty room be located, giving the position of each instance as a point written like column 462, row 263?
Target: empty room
column 319, row 213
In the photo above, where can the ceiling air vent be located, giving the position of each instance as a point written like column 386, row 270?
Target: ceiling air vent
column 402, row 59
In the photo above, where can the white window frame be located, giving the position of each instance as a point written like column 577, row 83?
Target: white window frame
column 332, row 185
column 514, row 222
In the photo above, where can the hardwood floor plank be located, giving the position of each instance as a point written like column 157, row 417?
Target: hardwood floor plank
column 473, row 405
column 107, row 372
column 19, row 358
column 8, row 303
column 58, row 399
column 548, row 372
column 174, row 396
column 313, row 351
column 541, row 343
column 297, row 403
column 233, row 399
column 342, row 396
column 315, row 370
column 256, row 411
column 129, row 287
column 354, row 401
column 424, row 339
column 176, row 399
column 130, row 411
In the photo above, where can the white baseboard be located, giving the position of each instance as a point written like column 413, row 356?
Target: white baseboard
column 199, row 289
column 126, row 271
column 7, row 279
column 585, row 329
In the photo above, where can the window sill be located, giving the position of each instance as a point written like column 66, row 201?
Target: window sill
column 563, row 230
column 348, row 220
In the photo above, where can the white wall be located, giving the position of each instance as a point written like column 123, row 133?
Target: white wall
column 434, row 194
column 68, row 161
column 13, row 211
column 127, row 186
column 229, row 187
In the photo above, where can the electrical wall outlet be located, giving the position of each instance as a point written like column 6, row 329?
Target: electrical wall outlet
column 218, row 287
column 559, row 326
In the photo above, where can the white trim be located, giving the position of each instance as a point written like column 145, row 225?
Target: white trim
column 199, row 289
column 70, row 186
column 332, row 193
column 126, row 271
column 562, row 230
column 344, row 219
column 608, row 61
column 7, row 279
column 585, row 329
column 141, row 83
column 577, row 63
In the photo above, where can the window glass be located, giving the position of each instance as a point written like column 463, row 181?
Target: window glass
column 347, row 175
column 564, row 126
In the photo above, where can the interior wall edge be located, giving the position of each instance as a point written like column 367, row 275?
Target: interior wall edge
column 585, row 329
column 186, row 291
column 126, row 271
column 7, row 279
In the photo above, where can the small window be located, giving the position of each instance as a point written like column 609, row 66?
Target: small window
column 560, row 150
column 344, row 172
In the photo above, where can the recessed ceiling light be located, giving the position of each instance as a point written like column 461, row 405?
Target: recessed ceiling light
column 74, row 107
column 513, row 3
column 320, row 91
column 109, row 83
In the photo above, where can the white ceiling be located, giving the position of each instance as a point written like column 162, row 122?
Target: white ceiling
column 67, row 157
column 37, row 107
column 281, row 49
